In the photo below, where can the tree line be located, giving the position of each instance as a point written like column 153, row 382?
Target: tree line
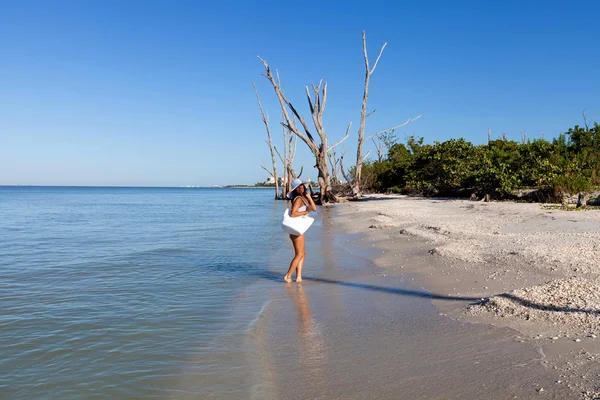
column 569, row 164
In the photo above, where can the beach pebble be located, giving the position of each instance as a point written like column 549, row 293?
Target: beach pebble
column 541, row 389
column 577, row 340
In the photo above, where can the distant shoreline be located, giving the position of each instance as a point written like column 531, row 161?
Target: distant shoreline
column 136, row 187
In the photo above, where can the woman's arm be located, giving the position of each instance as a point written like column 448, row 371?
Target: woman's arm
column 309, row 201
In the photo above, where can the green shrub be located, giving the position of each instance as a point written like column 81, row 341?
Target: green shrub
column 570, row 163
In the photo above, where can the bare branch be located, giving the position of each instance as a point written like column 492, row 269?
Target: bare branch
column 262, row 165
column 585, row 122
column 364, row 37
column 379, row 146
column 333, row 165
column 283, row 101
column 524, row 136
column 263, row 116
column 344, row 171
column 366, row 155
column 310, row 104
column 371, row 113
column 408, row 121
column 294, row 143
column 279, row 154
column 265, row 119
column 304, row 126
column 323, row 99
column 377, row 60
column 344, row 138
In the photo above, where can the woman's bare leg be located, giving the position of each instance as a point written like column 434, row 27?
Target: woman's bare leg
column 299, row 270
column 298, row 242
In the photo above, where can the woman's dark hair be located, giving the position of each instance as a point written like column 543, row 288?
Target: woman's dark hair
column 296, row 194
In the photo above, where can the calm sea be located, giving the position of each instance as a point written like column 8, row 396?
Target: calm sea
column 134, row 292
column 165, row 293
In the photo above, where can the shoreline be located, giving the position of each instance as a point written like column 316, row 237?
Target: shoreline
column 509, row 265
column 351, row 330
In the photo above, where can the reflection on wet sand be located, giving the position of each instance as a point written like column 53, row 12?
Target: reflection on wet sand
column 312, row 354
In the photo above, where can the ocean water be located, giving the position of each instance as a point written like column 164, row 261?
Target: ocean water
column 168, row 293
column 134, row 292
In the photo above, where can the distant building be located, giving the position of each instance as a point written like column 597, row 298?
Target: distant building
column 271, row 181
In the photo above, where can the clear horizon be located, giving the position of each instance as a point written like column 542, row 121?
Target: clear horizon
column 160, row 94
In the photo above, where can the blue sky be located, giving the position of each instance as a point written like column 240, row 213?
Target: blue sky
column 160, row 93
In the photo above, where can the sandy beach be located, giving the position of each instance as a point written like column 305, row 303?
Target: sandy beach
column 526, row 267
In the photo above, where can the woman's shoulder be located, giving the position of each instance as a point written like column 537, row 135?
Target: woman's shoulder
column 296, row 198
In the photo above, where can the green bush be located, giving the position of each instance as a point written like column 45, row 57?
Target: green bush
column 570, row 163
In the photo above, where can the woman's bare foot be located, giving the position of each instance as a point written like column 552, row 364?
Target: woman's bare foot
column 298, row 279
column 287, row 279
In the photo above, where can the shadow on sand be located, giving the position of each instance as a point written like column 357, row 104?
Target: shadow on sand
column 530, row 304
column 278, row 277
column 412, row 198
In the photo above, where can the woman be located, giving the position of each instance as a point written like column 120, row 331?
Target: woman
column 302, row 204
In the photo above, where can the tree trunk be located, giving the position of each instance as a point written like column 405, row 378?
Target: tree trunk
column 325, row 195
column 356, row 183
column 356, row 190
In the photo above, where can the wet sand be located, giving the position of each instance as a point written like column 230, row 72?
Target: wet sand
column 361, row 326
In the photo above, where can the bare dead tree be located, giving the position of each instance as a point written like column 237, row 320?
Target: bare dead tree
column 363, row 116
column 333, row 164
column 265, row 119
column 317, row 106
column 383, row 143
column 332, row 156
column 585, row 121
column 286, row 174
column 489, row 136
column 524, row 137
column 290, row 142
column 379, row 148
column 288, row 160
